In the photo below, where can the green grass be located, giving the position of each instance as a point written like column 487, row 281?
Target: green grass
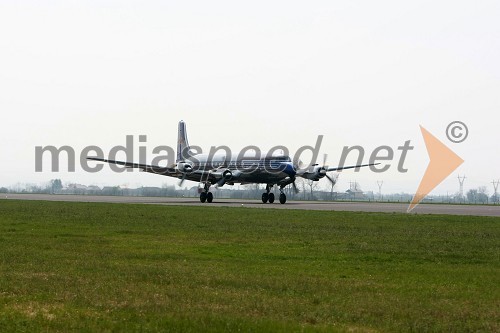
column 117, row 267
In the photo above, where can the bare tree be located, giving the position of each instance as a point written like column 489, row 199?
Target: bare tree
column 313, row 186
column 301, row 186
column 482, row 194
column 478, row 195
column 55, row 186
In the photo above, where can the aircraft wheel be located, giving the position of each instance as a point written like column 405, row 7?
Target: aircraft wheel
column 282, row 198
column 265, row 197
column 203, row 197
column 210, row 197
column 271, row 197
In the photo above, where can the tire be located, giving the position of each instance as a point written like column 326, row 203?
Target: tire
column 265, row 197
column 203, row 197
column 271, row 197
column 282, row 198
column 210, row 197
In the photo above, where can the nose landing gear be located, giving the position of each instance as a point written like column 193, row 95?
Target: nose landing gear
column 282, row 198
column 282, row 195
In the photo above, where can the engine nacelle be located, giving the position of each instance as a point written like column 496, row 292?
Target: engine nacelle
column 184, row 167
column 321, row 172
column 316, row 172
column 227, row 175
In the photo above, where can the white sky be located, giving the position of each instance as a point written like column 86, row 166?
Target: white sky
column 262, row 72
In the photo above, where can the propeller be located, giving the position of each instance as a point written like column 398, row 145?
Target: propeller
column 182, row 179
column 323, row 171
column 295, row 189
column 333, row 180
column 324, row 167
column 185, row 169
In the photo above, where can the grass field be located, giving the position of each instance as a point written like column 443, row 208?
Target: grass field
column 117, row 267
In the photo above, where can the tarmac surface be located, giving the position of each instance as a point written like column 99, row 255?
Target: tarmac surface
column 472, row 210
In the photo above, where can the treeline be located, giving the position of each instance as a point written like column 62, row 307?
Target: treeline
column 254, row 191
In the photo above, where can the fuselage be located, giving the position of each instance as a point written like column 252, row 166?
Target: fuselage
column 243, row 168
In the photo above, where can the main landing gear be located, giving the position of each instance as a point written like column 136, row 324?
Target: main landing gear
column 206, row 196
column 268, row 196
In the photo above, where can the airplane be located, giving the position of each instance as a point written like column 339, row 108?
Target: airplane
column 245, row 168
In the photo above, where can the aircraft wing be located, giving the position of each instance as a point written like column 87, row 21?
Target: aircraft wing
column 144, row 167
column 351, row 167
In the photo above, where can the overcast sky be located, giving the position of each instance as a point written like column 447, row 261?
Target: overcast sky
column 264, row 73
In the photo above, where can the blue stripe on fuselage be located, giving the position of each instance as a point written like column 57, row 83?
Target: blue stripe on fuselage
column 289, row 170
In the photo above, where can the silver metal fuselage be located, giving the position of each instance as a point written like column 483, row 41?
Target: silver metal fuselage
column 244, row 168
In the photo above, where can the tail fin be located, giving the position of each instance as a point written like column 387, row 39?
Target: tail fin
column 182, row 142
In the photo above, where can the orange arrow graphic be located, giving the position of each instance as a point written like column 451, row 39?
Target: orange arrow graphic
column 442, row 163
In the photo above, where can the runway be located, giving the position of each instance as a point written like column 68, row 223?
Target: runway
column 472, row 210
